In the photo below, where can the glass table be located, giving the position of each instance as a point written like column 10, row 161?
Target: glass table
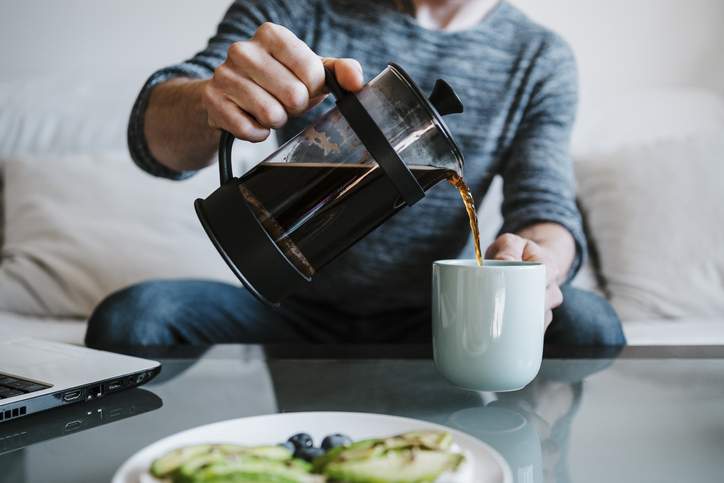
column 641, row 415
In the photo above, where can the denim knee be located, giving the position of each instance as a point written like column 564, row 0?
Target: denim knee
column 139, row 315
column 585, row 319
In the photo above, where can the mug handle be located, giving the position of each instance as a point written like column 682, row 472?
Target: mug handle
column 227, row 139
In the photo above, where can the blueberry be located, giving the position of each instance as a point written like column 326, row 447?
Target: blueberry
column 288, row 445
column 308, row 454
column 301, row 440
column 334, row 440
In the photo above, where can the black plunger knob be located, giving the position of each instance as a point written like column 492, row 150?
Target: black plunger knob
column 444, row 99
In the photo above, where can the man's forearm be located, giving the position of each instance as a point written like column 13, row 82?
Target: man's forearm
column 557, row 241
column 176, row 126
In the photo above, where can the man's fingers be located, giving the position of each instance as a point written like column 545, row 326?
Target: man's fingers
column 348, row 73
column 294, row 54
column 554, row 297
column 251, row 98
column 535, row 253
column 307, row 67
column 285, row 69
column 266, row 79
column 224, row 114
column 552, row 274
column 281, row 83
column 532, row 252
column 513, row 247
column 506, row 247
column 253, row 61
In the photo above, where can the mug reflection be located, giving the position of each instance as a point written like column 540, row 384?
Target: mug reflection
column 530, row 428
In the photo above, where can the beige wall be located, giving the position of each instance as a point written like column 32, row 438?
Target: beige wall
column 628, row 45
column 620, row 43
column 96, row 37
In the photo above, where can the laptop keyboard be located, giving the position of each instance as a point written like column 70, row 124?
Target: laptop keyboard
column 12, row 386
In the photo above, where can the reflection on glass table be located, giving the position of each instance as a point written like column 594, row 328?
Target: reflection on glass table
column 67, row 420
column 530, row 427
column 643, row 416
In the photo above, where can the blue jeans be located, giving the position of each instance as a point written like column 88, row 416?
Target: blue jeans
column 163, row 313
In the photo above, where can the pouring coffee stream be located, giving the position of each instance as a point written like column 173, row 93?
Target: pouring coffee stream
column 467, row 196
column 376, row 152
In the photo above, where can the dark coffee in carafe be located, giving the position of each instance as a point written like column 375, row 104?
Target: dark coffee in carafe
column 334, row 205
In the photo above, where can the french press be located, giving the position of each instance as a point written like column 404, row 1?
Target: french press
column 376, row 152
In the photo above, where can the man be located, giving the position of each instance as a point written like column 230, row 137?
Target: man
column 264, row 69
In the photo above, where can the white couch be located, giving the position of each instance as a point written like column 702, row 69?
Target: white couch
column 47, row 112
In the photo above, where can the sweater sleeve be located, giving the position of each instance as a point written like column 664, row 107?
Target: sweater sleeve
column 239, row 23
column 538, row 182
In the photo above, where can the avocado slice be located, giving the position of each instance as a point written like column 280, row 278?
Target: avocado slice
column 171, row 461
column 278, row 453
column 182, row 464
column 187, row 471
column 395, row 466
column 250, row 470
column 366, row 448
column 371, row 448
column 437, row 440
column 414, row 457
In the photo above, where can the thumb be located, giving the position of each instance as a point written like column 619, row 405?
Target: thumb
column 532, row 252
column 506, row 247
column 348, row 73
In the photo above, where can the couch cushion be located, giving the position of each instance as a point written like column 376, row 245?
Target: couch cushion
column 62, row 115
column 655, row 214
column 82, row 226
column 690, row 331
column 71, row 331
column 56, row 115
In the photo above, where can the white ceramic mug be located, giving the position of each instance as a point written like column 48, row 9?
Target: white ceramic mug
column 488, row 322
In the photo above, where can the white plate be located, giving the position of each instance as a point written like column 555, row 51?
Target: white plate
column 483, row 463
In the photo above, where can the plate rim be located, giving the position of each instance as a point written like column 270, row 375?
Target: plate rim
column 502, row 463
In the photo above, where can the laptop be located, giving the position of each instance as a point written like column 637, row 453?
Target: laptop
column 36, row 375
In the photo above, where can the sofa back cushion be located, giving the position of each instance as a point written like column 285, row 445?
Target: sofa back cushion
column 655, row 208
column 80, row 226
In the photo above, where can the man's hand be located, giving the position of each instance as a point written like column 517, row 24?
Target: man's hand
column 261, row 83
column 268, row 78
column 516, row 248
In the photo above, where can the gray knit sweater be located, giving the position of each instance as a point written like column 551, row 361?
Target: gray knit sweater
column 518, row 83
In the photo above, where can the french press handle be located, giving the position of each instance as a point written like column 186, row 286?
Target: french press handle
column 369, row 134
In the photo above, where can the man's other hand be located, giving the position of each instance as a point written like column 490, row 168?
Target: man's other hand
column 267, row 79
column 516, row 248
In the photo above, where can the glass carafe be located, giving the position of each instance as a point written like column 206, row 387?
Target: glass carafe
column 376, row 152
